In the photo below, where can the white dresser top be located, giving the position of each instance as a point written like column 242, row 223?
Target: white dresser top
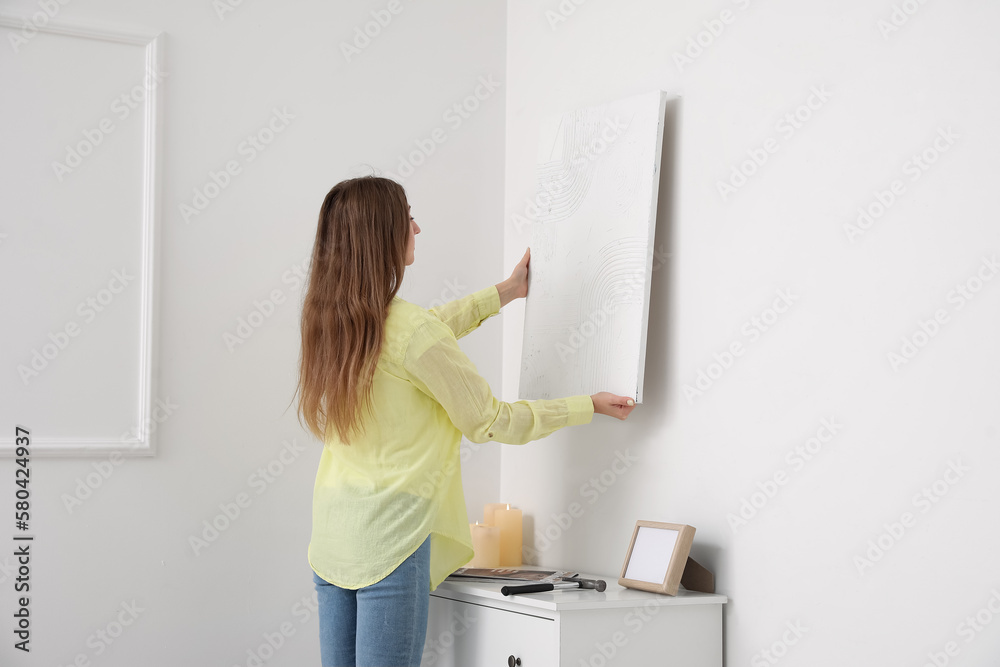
column 569, row 599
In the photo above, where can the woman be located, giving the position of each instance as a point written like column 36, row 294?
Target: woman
column 385, row 386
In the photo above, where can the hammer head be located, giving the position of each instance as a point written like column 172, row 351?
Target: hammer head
column 598, row 585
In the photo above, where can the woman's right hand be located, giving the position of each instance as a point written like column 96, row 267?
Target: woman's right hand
column 613, row 405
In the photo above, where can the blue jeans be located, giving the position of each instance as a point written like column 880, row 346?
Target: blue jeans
column 382, row 625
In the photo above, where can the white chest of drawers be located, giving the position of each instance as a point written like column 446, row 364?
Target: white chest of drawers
column 474, row 625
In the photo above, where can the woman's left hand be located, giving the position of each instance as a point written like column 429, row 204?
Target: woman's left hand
column 516, row 286
column 518, row 280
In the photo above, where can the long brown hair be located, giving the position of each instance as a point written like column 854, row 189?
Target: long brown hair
column 356, row 269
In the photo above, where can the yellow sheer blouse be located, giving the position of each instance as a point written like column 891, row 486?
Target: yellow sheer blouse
column 376, row 500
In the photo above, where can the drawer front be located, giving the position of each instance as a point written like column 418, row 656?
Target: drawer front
column 461, row 634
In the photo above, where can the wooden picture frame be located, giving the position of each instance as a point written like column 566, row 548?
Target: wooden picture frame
column 657, row 556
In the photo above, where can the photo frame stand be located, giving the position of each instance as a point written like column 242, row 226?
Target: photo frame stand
column 697, row 577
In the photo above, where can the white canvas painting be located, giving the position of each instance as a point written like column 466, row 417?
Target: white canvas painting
column 592, row 250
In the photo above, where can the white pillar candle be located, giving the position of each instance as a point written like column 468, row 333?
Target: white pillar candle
column 509, row 521
column 490, row 509
column 486, row 544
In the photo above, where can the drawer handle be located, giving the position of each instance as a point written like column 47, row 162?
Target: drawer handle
column 513, row 662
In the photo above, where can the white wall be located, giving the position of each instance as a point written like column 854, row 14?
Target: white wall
column 696, row 461
column 825, row 358
column 129, row 540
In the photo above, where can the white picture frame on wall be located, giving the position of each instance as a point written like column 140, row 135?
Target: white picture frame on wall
column 129, row 427
column 592, row 239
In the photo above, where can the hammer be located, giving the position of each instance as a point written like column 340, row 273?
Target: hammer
column 598, row 585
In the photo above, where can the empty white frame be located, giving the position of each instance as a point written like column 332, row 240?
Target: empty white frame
column 80, row 129
column 592, row 250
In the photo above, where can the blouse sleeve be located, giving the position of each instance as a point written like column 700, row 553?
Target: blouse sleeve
column 466, row 314
column 437, row 366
